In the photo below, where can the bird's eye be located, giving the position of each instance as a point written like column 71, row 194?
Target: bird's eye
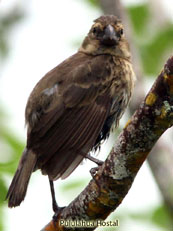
column 94, row 30
column 121, row 31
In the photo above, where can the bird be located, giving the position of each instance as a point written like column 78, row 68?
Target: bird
column 73, row 108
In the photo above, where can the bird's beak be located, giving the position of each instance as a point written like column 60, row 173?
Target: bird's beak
column 110, row 37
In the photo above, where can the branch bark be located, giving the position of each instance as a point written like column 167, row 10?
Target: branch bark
column 115, row 177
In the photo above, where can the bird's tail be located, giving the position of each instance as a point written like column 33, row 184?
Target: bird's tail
column 18, row 187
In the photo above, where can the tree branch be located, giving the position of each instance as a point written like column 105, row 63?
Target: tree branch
column 115, row 177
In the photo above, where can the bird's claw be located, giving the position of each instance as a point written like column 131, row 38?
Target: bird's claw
column 93, row 171
column 95, row 160
column 57, row 213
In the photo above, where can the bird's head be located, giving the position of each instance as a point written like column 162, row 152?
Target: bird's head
column 106, row 36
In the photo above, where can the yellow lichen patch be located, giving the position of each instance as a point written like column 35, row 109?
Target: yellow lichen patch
column 93, row 209
column 136, row 161
column 151, row 99
column 162, row 123
column 112, row 202
column 127, row 123
column 104, row 199
column 169, row 79
column 163, row 113
column 165, row 76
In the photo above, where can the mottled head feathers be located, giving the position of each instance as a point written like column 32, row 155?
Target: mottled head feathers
column 107, row 19
column 106, row 36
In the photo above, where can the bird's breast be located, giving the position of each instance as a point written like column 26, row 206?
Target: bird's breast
column 122, row 85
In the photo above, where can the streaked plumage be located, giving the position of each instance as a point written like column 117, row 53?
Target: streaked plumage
column 72, row 108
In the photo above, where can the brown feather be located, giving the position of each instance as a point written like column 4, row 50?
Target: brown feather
column 18, row 187
column 78, row 133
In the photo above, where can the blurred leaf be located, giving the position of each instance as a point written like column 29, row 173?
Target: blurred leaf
column 14, row 142
column 94, row 3
column 152, row 48
column 3, row 46
column 1, row 219
column 9, row 167
column 2, row 116
column 153, row 51
column 139, row 15
column 17, row 147
column 8, row 20
column 161, row 217
column 3, row 191
column 7, row 23
column 144, row 215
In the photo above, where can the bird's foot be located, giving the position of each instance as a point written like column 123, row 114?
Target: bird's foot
column 57, row 212
column 93, row 172
column 55, row 206
column 95, row 160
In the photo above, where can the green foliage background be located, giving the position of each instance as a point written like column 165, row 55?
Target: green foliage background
column 8, row 141
column 153, row 46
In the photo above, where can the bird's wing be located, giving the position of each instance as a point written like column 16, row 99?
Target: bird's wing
column 73, row 119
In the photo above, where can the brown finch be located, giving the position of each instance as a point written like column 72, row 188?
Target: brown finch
column 72, row 108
